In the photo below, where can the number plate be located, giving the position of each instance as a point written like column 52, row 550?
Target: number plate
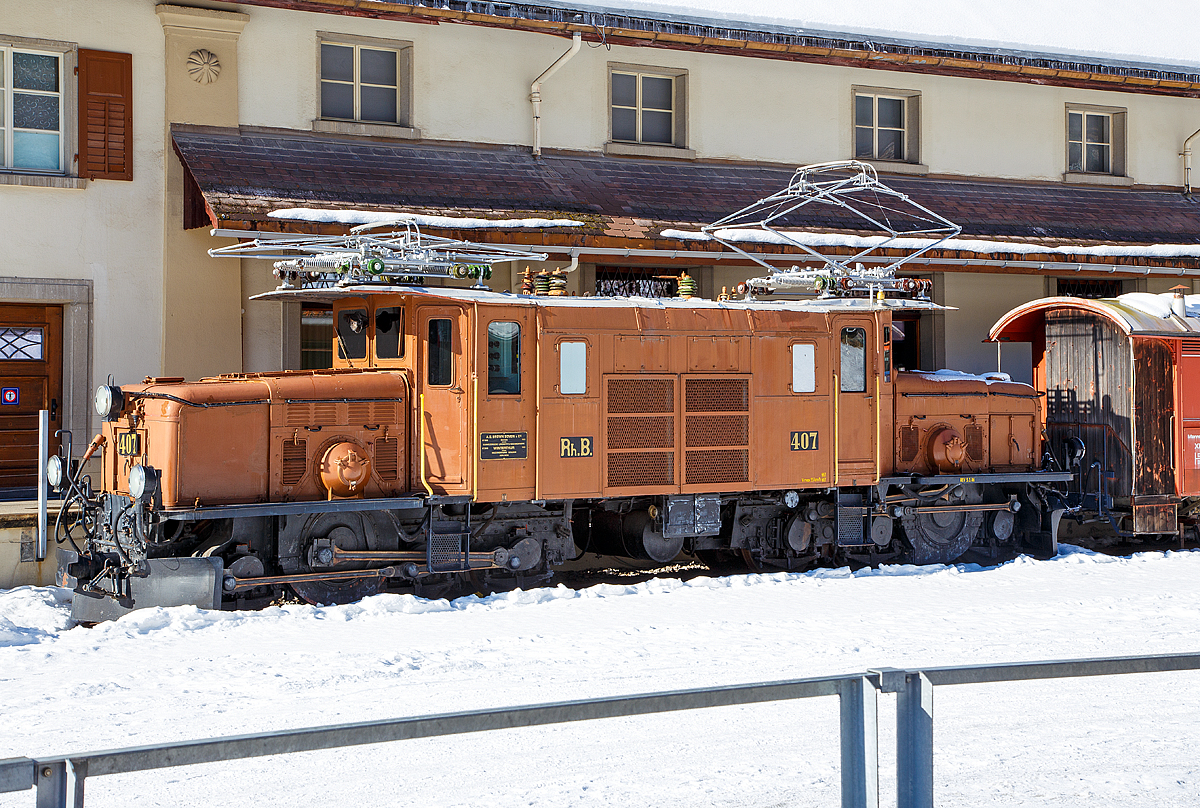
column 804, row 441
column 129, row 444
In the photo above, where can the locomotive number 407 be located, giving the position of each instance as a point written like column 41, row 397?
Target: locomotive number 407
column 804, row 441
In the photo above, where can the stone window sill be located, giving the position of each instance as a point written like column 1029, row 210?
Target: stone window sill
column 646, row 150
column 1096, row 179
column 368, row 129
column 897, row 167
column 42, row 180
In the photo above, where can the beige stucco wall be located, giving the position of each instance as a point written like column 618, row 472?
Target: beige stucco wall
column 979, row 301
column 472, row 84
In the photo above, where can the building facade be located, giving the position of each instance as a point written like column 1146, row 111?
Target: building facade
column 136, row 136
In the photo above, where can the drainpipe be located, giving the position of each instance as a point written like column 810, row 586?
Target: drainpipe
column 1187, row 163
column 535, row 91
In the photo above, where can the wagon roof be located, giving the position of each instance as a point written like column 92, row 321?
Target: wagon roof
column 831, row 304
column 1137, row 313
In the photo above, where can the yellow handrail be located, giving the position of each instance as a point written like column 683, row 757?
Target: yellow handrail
column 421, row 462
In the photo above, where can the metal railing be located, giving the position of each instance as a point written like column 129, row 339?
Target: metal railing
column 60, row 780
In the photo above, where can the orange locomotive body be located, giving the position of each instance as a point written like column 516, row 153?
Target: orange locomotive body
column 468, row 435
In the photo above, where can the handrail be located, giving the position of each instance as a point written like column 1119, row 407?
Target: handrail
column 60, row 780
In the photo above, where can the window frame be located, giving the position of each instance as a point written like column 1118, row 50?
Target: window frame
column 911, row 136
column 68, row 94
column 679, row 110
column 1117, row 140
column 516, row 373
column 796, row 357
column 402, row 126
column 587, row 349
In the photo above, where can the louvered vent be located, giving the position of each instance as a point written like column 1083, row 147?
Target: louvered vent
column 298, row 415
column 716, row 442
column 325, row 413
column 909, row 443
column 385, row 412
column 360, row 413
column 295, row 461
column 1191, row 347
column 387, row 455
column 640, row 434
column 974, row 435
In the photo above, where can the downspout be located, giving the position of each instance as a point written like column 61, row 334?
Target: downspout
column 1187, row 163
column 535, row 90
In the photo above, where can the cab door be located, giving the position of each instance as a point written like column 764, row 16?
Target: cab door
column 856, row 399
column 442, row 401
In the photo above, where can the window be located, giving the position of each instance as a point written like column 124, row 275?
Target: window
column 352, row 334
column 504, row 358
column 854, row 360
column 316, row 337
column 19, row 344
column 572, row 368
column 389, row 333
column 804, row 368
column 31, row 88
column 364, row 80
column 441, row 355
column 885, row 125
column 647, row 106
column 1096, row 140
column 635, row 282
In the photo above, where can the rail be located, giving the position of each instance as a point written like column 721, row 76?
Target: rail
column 59, row 781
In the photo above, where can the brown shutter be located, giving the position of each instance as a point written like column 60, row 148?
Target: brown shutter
column 105, row 115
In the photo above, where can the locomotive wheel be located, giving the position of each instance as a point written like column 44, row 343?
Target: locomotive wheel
column 346, row 531
column 939, row 538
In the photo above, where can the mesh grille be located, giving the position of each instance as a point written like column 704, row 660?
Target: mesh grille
column 298, row 415
column 641, row 395
column 387, row 453
column 718, row 395
column 719, row 466
column 717, row 430
column 446, row 552
column 295, row 461
column 641, row 433
column 974, row 434
column 909, row 443
column 627, row 469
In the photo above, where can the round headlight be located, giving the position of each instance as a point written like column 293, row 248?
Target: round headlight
column 109, row 401
column 54, row 472
column 143, row 480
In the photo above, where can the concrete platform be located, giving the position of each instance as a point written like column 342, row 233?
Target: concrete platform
column 18, row 546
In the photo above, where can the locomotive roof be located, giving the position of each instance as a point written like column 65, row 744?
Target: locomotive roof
column 1136, row 313
column 333, row 294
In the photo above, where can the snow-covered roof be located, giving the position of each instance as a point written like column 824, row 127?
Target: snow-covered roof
column 1160, row 33
column 356, row 217
column 1134, row 313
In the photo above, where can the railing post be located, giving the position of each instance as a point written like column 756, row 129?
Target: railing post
column 914, row 742
column 860, row 743
column 52, row 785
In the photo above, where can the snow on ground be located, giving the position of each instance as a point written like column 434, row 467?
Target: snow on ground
column 1163, row 33
column 174, row 674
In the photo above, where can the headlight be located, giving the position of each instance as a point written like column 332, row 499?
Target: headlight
column 109, row 401
column 143, row 482
column 54, row 472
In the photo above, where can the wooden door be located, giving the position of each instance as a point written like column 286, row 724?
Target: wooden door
column 30, row 380
column 442, row 386
column 856, row 399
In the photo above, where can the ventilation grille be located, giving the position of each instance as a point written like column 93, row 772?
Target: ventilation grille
column 325, row 413
column 387, row 458
column 629, row 469
column 1191, row 347
column 641, row 395
column 974, row 435
column 656, row 432
column 295, row 461
column 718, row 395
column 719, row 466
column 909, row 443
column 717, row 430
column 372, row 412
column 298, row 415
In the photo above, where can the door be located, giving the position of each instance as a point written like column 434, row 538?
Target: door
column 443, row 401
column 856, row 399
column 30, row 380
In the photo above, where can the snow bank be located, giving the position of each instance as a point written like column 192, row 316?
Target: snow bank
column 355, row 217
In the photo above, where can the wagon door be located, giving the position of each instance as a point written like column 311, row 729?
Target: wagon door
column 442, row 384
column 856, row 399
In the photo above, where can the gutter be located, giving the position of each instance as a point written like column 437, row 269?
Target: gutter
column 535, row 90
column 1187, row 163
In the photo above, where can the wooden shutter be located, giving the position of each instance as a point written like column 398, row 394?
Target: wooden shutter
column 105, row 115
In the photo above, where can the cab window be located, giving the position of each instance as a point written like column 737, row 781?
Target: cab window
column 504, row 358
column 572, row 368
column 854, row 360
column 804, row 367
column 441, row 353
column 389, row 333
column 352, row 334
